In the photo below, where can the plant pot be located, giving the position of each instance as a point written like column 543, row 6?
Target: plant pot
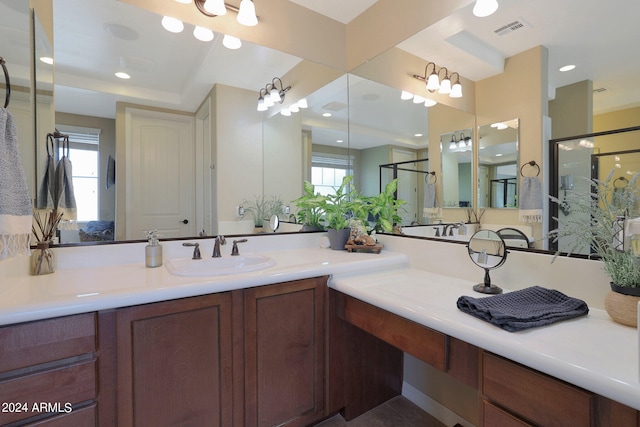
column 43, row 260
column 338, row 238
column 621, row 304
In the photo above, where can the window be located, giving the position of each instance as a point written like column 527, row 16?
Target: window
column 84, row 156
column 328, row 170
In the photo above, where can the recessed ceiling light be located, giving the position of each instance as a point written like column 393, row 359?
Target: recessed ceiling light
column 499, row 155
column 567, row 68
column 418, row 135
column 339, row 141
column 46, row 60
column 122, row 75
column 326, row 114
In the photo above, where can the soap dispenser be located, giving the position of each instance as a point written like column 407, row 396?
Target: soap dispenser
column 153, row 251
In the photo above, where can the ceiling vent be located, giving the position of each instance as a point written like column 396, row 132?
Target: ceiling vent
column 511, row 27
column 335, row 106
column 600, row 90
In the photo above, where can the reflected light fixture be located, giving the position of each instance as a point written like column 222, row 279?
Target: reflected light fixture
column 417, row 99
column 231, row 42
column 484, row 8
column 444, row 86
column 453, row 144
column 171, row 24
column 203, row 34
column 246, row 12
column 274, row 92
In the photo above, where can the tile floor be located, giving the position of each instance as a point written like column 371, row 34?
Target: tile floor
column 397, row 412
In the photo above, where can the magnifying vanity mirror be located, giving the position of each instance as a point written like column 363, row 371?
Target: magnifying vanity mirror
column 498, row 165
column 488, row 251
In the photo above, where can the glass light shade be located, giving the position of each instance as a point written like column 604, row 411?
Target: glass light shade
column 456, row 90
column 429, row 102
column 285, row 112
column 452, row 145
column 172, row 25
column 275, row 95
column 247, row 14
column 484, row 8
column 417, row 99
column 215, row 7
column 303, row 103
column 203, row 34
column 268, row 101
column 433, row 82
column 445, row 86
column 406, row 95
column 184, row 1
column 231, row 42
column 262, row 106
column 294, row 108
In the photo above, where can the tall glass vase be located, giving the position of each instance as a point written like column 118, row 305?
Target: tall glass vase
column 43, row 260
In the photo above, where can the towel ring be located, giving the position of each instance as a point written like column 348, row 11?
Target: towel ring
column 426, row 178
column 7, row 83
column 624, row 180
column 531, row 163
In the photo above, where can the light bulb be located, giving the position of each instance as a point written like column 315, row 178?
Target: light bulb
column 172, row 25
column 231, row 42
column 247, row 14
column 215, row 7
column 484, row 8
column 433, row 82
column 203, row 34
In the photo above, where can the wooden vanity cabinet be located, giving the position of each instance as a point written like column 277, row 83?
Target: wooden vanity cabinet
column 174, row 363
column 284, row 343
column 48, row 372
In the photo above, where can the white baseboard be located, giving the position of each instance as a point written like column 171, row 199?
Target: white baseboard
column 434, row 408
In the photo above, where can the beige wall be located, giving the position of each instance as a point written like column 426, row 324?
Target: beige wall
column 572, row 110
column 617, row 120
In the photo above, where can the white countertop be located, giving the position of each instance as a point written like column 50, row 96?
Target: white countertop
column 591, row 352
column 81, row 290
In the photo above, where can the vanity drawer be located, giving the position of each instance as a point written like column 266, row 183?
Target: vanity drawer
column 83, row 417
column 43, row 341
column 419, row 341
column 495, row 416
column 69, row 384
column 537, row 397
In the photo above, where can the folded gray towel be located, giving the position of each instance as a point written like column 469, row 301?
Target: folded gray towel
column 527, row 308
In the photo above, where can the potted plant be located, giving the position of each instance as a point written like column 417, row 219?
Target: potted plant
column 606, row 204
column 263, row 207
column 385, row 208
column 309, row 207
column 338, row 207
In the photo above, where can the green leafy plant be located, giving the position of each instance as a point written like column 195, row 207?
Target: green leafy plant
column 263, row 207
column 385, row 208
column 339, row 206
column 310, row 205
column 591, row 224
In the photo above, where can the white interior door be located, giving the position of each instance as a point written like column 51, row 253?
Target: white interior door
column 160, row 169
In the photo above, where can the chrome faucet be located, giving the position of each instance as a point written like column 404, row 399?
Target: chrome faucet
column 220, row 240
column 196, row 250
column 449, row 227
column 234, row 249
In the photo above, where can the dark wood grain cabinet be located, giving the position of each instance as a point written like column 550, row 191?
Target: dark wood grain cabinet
column 48, row 372
column 174, row 363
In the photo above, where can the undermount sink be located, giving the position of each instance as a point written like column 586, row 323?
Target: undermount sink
column 218, row 266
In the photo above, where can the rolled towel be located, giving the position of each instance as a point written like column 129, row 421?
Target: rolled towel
column 523, row 309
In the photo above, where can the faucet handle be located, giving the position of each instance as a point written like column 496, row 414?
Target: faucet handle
column 196, row 250
column 234, row 249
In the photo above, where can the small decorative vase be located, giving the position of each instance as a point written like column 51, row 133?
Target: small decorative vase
column 43, row 260
column 621, row 304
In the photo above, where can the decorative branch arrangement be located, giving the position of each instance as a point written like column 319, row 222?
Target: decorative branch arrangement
column 46, row 229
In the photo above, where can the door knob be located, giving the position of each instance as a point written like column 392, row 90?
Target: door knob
column 185, row 221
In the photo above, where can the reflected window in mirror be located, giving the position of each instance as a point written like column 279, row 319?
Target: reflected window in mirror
column 457, row 161
column 498, row 165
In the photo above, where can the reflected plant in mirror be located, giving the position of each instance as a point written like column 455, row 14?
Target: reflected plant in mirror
column 498, row 165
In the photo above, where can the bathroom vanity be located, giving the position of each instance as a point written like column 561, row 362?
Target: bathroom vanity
column 322, row 331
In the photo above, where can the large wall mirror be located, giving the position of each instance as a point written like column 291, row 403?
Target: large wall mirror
column 498, row 167
column 457, row 168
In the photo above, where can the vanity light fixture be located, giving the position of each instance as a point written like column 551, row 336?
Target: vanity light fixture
column 246, row 12
column 453, row 144
column 274, row 92
column 231, row 42
column 444, row 86
column 417, row 99
column 484, row 8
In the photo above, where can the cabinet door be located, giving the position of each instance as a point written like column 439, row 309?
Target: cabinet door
column 284, row 362
column 174, row 363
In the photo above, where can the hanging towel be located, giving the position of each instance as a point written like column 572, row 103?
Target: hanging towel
column 47, row 187
column 430, row 203
column 15, row 201
column 523, row 309
column 530, row 198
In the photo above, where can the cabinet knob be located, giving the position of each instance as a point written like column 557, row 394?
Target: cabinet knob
column 185, row 221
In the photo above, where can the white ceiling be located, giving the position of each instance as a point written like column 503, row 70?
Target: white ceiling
column 176, row 71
